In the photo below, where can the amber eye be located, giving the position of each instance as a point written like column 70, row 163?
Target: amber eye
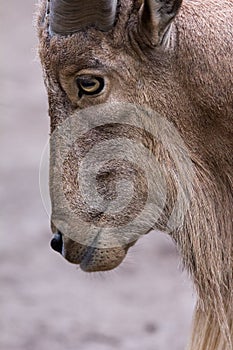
column 89, row 85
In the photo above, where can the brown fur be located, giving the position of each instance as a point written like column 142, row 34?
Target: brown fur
column 190, row 74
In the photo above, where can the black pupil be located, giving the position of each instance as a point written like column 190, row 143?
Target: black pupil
column 89, row 82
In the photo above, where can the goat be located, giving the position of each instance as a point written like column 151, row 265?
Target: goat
column 174, row 57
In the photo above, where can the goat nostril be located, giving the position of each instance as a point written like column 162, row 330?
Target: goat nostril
column 57, row 243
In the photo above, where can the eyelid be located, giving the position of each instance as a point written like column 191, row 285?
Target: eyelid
column 90, row 72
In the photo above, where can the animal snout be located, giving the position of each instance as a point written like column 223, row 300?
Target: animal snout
column 57, row 242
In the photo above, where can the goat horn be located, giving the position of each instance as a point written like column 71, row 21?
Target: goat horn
column 69, row 16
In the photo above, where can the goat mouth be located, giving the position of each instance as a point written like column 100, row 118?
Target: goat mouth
column 89, row 258
column 88, row 254
column 94, row 261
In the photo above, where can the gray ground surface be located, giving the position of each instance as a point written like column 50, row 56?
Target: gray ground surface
column 46, row 303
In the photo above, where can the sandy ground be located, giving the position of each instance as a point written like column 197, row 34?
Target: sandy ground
column 46, row 303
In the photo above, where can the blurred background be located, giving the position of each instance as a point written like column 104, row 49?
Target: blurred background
column 45, row 302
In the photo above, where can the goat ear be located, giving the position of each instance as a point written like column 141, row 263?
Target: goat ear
column 155, row 18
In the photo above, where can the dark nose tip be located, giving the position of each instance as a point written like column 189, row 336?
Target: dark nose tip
column 57, row 243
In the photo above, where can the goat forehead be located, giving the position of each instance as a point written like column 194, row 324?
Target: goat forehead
column 92, row 49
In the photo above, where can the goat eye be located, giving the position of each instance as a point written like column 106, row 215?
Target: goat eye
column 89, row 85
